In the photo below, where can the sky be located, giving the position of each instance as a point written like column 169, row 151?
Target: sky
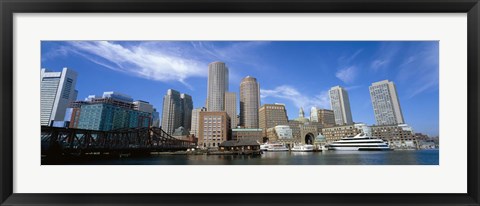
column 296, row 73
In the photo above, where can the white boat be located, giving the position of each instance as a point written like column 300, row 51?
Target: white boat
column 276, row 147
column 302, row 148
column 264, row 147
column 359, row 142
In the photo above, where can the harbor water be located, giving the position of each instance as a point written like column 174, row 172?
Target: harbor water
column 395, row 157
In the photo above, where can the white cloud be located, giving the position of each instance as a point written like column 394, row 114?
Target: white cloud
column 379, row 63
column 139, row 60
column 347, row 74
column 164, row 61
column 299, row 99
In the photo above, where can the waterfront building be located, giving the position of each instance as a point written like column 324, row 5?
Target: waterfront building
column 295, row 126
column 214, row 128
column 247, row 133
column 145, row 106
column 231, row 108
column 105, row 117
column 57, row 91
column 171, row 113
column 340, row 104
column 326, row 117
column 186, row 111
column 194, row 125
column 271, row 115
column 386, row 105
column 249, row 102
column 217, row 86
column 242, row 146
column 399, row 136
column 338, row 132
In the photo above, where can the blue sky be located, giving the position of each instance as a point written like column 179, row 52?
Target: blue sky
column 297, row 73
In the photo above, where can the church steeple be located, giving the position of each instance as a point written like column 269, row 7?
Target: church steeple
column 301, row 113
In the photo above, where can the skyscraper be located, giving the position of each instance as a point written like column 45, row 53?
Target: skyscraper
column 271, row 115
column 217, row 86
column 186, row 110
column 171, row 113
column 195, row 117
column 386, row 105
column 340, row 105
column 57, row 91
column 177, row 111
column 231, row 108
column 314, row 114
column 249, row 102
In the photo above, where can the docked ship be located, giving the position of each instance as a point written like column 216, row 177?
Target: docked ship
column 302, row 148
column 277, row 147
column 359, row 142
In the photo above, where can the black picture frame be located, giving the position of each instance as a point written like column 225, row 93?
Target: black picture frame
column 10, row 7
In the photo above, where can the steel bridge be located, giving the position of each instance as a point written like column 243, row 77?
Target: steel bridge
column 81, row 141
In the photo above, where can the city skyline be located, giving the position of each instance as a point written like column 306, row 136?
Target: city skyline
column 294, row 83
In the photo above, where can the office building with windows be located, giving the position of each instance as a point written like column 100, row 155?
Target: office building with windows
column 57, row 91
column 340, row 105
column 214, row 128
column 217, row 86
column 386, row 105
column 249, row 102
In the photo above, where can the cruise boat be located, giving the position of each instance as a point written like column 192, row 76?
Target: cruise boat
column 359, row 142
column 276, row 147
column 264, row 147
column 302, row 148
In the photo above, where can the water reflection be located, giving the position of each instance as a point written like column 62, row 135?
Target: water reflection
column 406, row 157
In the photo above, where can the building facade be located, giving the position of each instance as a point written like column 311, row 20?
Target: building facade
column 271, row 115
column 386, row 105
column 314, row 114
column 214, row 128
column 106, row 117
column 231, row 108
column 171, row 113
column 195, row 117
column 338, row 132
column 399, row 136
column 249, row 102
column 340, row 104
column 186, row 111
column 177, row 111
column 217, row 86
column 326, row 117
column 247, row 133
column 57, row 91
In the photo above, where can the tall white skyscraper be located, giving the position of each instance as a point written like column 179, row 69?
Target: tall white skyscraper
column 57, row 91
column 249, row 102
column 195, row 117
column 217, row 86
column 314, row 114
column 340, row 105
column 386, row 105
column 231, row 108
